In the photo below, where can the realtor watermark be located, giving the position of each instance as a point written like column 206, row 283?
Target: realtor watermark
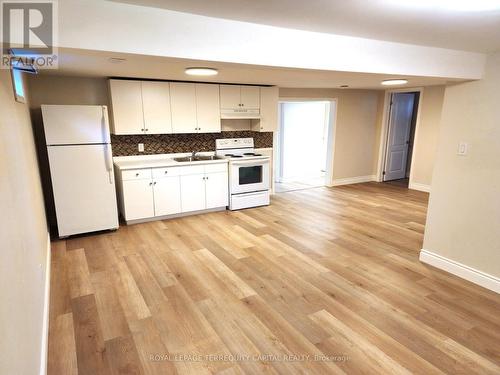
column 261, row 357
column 29, row 34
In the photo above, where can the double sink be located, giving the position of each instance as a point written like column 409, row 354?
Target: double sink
column 198, row 158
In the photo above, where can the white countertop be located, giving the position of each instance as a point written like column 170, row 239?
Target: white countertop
column 159, row 161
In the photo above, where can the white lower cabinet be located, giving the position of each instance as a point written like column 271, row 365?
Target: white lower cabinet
column 193, row 192
column 167, row 196
column 217, row 190
column 138, row 199
column 148, row 193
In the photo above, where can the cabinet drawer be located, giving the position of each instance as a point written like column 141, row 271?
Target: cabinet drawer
column 136, row 174
column 215, row 168
column 191, row 169
column 166, row 172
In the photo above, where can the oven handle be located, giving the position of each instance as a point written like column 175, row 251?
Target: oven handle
column 250, row 162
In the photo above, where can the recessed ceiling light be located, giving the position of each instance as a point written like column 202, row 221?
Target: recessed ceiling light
column 452, row 5
column 394, row 82
column 116, row 60
column 201, row 71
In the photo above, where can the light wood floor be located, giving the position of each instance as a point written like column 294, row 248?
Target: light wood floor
column 323, row 281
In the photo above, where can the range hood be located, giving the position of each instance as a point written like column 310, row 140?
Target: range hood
column 240, row 113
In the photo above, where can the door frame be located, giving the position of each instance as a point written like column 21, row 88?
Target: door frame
column 383, row 144
column 330, row 145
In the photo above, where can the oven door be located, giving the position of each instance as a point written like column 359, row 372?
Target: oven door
column 249, row 175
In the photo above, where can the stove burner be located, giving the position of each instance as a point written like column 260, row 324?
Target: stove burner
column 233, row 156
column 252, row 154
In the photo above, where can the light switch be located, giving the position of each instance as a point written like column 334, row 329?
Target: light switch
column 140, row 147
column 462, row 149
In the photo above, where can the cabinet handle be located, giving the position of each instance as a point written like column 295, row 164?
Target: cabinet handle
column 137, row 175
column 146, row 130
column 166, row 172
column 150, row 183
column 154, row 183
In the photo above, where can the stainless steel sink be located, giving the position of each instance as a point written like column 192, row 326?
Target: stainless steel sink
column 197, row 158
column 184, row 159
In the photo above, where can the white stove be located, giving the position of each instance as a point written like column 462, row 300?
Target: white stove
column 248, row 173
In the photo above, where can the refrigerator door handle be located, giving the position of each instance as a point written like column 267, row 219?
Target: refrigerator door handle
column 109, row 162
column 103, row 125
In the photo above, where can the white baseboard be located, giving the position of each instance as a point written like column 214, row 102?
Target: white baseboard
column 353, row 180
column 45, row 328
column 461, row 270
column 419, row 187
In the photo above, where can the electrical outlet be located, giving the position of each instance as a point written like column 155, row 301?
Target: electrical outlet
column 462, row 148
column 140, row 147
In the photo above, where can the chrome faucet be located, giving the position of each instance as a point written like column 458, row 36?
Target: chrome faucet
column 193, row 154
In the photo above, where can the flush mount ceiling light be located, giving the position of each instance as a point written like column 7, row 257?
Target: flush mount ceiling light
column 394, row 82
column 451, row 5
column 199, row 71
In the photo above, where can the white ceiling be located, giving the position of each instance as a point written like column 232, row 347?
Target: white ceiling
column 408, row 21
column 97, row 64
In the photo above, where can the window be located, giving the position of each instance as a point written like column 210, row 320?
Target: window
column 18, row 84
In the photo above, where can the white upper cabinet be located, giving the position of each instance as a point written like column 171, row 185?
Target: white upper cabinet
column 230, row 96
column 156, row 107
column 239, row 102
column 195, row 108
column 126, row 99
column 250, row 97
column 238, row 97
column 183, row 102
column 140, row 107
column 268, row 122
column 207, row 108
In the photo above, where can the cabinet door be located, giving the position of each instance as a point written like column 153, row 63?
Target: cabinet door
column 156, row 107
column 183, row 102
column 193, row 192
column 167, row 195
column 250, row 96
column 138, row 199
column 217, row 192
column 208, row 108
column 268, row 121
column 126, row 100
column 230, row 96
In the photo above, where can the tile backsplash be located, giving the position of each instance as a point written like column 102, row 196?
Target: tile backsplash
column 126, row 145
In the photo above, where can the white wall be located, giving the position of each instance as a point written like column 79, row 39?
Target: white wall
column 426, row 139
column 463, row 221
column 101, row 25
column 23, row 240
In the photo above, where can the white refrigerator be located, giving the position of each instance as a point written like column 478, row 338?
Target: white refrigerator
column 81, row 167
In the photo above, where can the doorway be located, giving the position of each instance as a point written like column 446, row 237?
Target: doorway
column 403, row 112
column 304, row 145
